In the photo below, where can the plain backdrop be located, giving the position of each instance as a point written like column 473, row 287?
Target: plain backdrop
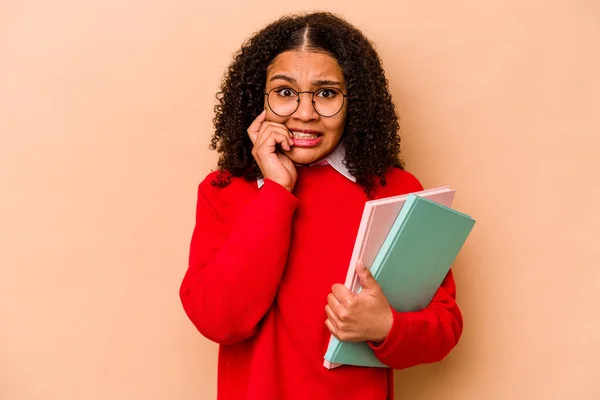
column 106, row 112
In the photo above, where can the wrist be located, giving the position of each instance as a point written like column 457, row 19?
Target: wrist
column 286, row 185
column 386, row 327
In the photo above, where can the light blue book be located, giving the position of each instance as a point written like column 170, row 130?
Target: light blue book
column 413, row 261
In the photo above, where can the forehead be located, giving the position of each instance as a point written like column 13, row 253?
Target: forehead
column 306, row 65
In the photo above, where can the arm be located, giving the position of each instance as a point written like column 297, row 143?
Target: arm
column 234, row 272
column 424, row 336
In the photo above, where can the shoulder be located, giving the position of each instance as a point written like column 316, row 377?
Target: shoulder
column 222, row 185
column 399, row 181
column 401, row 177
column 226, row 196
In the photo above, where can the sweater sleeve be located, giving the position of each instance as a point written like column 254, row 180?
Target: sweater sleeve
column 424, row 336
column 234, row 272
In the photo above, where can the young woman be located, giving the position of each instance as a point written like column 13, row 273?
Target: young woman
column 306, row 131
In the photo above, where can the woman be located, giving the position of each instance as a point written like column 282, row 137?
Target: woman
column 306, row 132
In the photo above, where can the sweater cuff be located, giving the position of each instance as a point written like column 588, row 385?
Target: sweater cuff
column 277, row 198
column 394, row 337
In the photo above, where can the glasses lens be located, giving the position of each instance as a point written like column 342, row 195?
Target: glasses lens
column 328, row 101
column 283, row 101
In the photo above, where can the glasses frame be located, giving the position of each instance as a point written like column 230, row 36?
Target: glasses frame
column 344, row 96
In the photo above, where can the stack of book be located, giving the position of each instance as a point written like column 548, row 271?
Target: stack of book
column 409, row 242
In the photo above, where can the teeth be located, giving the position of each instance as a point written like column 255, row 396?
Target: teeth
column 302, row 135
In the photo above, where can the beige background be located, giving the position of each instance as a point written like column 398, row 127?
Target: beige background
column 106, row 110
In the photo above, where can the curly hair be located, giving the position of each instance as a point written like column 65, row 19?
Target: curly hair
column 370, row 134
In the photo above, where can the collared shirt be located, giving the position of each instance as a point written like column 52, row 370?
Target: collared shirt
column 335, row 159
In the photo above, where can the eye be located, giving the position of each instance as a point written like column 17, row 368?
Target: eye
column 327, row 93
column 286, row 92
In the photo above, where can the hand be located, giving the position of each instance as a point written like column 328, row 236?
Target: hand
column 359, row 317
column 274, row 165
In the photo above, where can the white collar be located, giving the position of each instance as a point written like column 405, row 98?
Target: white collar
column 335, row 159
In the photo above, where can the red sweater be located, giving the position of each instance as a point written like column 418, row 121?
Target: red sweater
column 262, row 263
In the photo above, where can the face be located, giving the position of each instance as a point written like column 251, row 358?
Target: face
column 314, row 136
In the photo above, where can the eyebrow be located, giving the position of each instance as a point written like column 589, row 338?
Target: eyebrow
column 283, row 78
column 318, row 82
column 326, row 82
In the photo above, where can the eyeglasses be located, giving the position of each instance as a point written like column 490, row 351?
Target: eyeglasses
column 327, row 102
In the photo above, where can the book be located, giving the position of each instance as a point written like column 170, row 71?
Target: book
column 410, row 265
column 377, row 219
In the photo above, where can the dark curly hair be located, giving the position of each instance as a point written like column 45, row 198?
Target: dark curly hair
column 370, row 135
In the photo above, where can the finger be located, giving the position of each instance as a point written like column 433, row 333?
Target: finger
column 270, row 126
column 334, row 304
column 331, row 328
column 367, row 281
column 271, row 137
column 255, row 126
column 342, row 294
column 339, row 310
column 332, row 317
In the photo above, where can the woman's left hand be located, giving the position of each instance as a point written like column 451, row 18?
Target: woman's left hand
column 359, row 317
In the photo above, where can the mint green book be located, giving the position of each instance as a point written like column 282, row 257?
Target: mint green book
column 413, row 261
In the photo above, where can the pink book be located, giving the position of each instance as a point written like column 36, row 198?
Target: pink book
column 377, row 220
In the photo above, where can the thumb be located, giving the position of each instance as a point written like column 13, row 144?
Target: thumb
column 364, row 276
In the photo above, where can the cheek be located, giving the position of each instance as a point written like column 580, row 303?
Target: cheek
column 270, row 115
column 275, row 118
column 336, row 124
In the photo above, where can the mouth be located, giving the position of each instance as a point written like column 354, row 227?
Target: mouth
column 305, row 134
column 306, row 138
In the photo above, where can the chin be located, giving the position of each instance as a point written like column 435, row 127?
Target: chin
column 304, row 156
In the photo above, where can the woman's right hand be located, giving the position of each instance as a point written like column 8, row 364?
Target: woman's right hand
column 275, row 165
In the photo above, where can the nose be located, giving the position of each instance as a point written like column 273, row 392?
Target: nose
column 306, row 110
